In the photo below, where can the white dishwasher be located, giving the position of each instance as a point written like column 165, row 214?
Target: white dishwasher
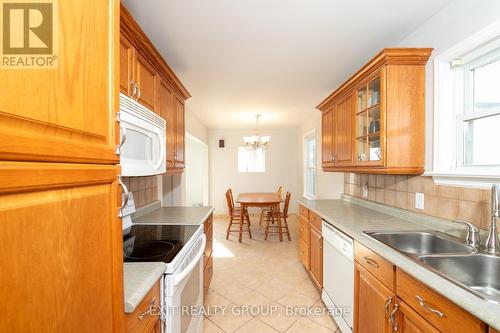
column 338, row 276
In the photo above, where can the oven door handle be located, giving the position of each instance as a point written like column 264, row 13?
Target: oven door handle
column 193, row 263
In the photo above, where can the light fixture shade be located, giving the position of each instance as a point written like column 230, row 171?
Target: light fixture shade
column 265, row 139
column 256, row 141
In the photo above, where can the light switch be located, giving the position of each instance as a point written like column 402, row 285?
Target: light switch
column 419, row 200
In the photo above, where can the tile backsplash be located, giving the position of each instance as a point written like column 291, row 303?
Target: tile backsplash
column 144, row 189
column 447, row 202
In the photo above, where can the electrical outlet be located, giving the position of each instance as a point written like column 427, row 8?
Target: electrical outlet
column 364, row 190
column 419, row 201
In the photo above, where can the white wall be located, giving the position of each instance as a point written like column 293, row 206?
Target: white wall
column 281, row 166
column 454, row 23
column 329, row 185
column 196, row 173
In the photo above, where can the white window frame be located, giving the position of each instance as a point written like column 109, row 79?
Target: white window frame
column 247, row 171
column 451, row 109
column 307, row 135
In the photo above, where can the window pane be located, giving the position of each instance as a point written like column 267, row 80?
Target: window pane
column 481, row 141
column 310, row 165
column 251, row 160
column 486, row 87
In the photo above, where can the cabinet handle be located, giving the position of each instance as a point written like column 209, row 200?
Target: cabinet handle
column 371, row 262
column 123, row 135
column 392, row 318
column 387, row 304
column 151, row 310
column 134, row 86
column 422, row 303
column 138, row 93
column 126, row 193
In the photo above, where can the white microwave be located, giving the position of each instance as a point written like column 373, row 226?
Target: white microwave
column 143, row 140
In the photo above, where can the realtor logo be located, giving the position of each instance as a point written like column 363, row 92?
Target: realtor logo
column 28, row 34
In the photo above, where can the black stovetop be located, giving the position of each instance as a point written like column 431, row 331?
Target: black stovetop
column 155, row 242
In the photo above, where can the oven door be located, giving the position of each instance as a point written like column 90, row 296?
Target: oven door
column 142, row 140
column 184, row 308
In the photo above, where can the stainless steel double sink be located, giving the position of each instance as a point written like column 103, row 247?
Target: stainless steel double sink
column 450, row 257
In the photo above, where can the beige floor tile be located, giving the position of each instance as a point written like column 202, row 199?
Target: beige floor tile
column 255, row 326
column 214, row 302
column 274, row 289
column 254, row 299
column 296, row 300
column 278, row 317
column 233, row 291
column 209, row 327
column 319, row 314
column 304, row 325
column 308, row 288
column 232, row 318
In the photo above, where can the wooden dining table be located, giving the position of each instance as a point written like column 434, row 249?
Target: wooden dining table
column 259, row 199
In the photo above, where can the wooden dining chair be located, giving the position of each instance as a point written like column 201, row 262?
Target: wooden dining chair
column 235, row 216
column 273, row 215
column 265, row 210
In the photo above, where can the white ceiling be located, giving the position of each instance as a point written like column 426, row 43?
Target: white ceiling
column 274, row 57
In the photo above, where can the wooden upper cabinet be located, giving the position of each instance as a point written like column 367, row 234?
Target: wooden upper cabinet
column 385, row 130
column 62, row 262
column 166, row 109
column 127, row 66
column 146, row 78
column 180, row 133
column 67, row 113
column 343, row 131
column 327, row 142
column 373, row 303
column 158, row 88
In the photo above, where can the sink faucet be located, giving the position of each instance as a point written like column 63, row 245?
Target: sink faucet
column 472, row 238
column 493, row 243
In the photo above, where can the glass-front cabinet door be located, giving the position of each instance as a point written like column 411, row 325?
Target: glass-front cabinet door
column 368, row 123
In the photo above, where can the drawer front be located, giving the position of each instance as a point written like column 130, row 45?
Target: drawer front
column 304, row 253
column 436, row 309
column 304, row 229
column 383, row 270
column 304, row 212
column 315, row 220
column 208, row 273
column 133, row 321
column 209, row 245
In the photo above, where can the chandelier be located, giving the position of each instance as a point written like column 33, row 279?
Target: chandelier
column 256, row 141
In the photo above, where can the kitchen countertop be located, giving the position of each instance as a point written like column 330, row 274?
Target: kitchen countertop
column 353, row 216
column 138, row 279
column 176, row 215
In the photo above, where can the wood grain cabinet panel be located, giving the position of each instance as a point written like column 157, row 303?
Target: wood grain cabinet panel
column 382, row 269
column 127, row 66
column 492, row 330
column 374, row 122
column 422, row 299
column 67, row 113
column 316, row 255
column 146, row 78
column 343, row 131
column 373, row 303
column 409, row 321
column 166, row 109
column 150, row 323
column 327, row 138
column 180, row 134
column 61, row 258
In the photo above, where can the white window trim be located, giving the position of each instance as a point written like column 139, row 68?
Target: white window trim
column 304, row 194
column 445, row 170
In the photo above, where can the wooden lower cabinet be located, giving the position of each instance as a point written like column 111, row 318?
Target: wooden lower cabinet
column 316, row 255
column 373, row 303
column 61, row 258
column 208, row 261
column 409, row 321
column 136, row 322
